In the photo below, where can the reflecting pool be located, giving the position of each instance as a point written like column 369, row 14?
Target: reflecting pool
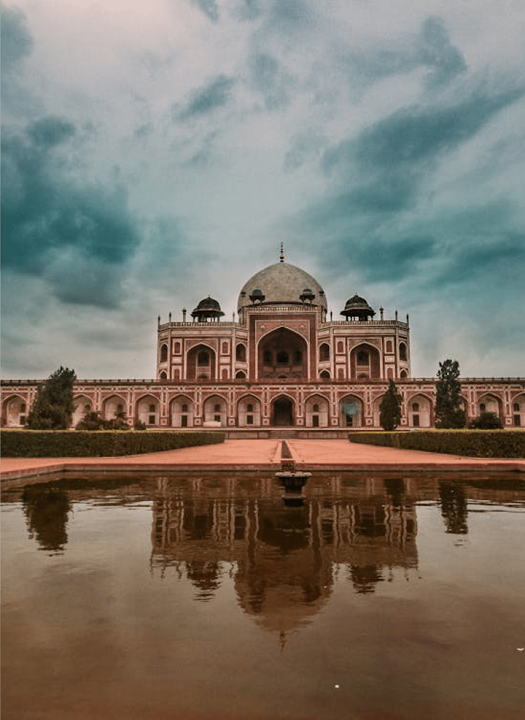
column 196, row 597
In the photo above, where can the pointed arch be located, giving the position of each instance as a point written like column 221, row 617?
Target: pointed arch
column 518, row 410
column 201, row 362
column 351, row 411
column 365, row 362
column 15, row 411
column 282, row 353
column 316, row 410
column 113, row 405
column 215, row 411
column 248, row 411
column 283, row 411
column 181, row 411
column 490, row 402
column 148, row 410
column 420, row 410
column 82, row 404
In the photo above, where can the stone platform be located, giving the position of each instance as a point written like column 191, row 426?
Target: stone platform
column 261, row 455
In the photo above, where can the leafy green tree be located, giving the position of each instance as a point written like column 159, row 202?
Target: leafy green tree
column 448, row 408
column 53, row 406
column 390, row 408
column 486, row 421
column 91, row 421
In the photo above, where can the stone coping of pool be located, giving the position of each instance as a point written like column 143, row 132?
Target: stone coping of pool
column 246, row 455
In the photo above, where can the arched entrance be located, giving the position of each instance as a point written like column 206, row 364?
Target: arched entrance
column 282, row 412
column 282, row 354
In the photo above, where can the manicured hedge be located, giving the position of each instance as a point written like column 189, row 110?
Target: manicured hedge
column 103, row 443
column 473, row 443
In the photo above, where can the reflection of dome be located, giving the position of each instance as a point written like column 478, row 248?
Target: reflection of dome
column 357, row 307
column 207, row 308
column 282, row 283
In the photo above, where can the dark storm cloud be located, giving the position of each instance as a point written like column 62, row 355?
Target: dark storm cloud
column 498, row 257
column 414, row 136
column 17, row 42
column 376, row 181
column 431, row 49
column 206, row 100
column 55, row 227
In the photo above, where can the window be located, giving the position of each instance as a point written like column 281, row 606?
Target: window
column 152, row 408
column 340, row 347
column 298, row 357
column 163, row 353
column 325, row 375
column 249, row 419
column 362, row 357
column 240, row 375
column 517, row 420
column 282, row 357
column 240, row 353
column 120, row 408
column 267, row 357
column 203, row 358
column 315, row 408
column 403, row 374
column 249, row 407
column 482, row 407
column 23, row 407
column 87, row 408
column 402, row 351
column 217, row 418
column 151, row 420
column 516, row 407
column 415, row 420
column 163, row 376
column 176, row 347
column 389, row 346
column 315, row 420
column 184, row 421
column 324, row 352
column 415, row 407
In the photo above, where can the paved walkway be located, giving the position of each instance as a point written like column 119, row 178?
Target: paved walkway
column 262, row 454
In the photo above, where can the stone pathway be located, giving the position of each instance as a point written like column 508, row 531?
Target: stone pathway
column 262, row 454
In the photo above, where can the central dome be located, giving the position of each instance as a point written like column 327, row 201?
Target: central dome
column 282, row 283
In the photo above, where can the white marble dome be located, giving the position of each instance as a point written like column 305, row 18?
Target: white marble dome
column 282, row 283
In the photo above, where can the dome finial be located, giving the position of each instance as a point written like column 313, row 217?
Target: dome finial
column 281, row 256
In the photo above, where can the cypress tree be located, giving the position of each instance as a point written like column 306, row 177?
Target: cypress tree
column 390, row 408
column 448, row 408
column 53, row 406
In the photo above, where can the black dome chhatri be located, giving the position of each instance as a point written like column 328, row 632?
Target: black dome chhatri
column 357, row 308
column 207, row 309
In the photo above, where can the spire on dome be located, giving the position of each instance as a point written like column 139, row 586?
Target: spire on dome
column 281, row 256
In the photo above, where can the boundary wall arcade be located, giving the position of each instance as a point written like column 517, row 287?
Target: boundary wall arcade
column 268, row 404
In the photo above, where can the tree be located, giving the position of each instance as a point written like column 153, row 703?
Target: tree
column 390, row 408
column 448, row 408
column 486, row 421
column 53, row 406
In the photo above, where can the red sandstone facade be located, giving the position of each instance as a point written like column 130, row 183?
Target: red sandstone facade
column 283, row 364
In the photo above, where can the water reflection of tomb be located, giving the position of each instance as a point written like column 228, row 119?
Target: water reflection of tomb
column 284, row 560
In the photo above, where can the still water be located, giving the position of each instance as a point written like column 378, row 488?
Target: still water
column 381, row 598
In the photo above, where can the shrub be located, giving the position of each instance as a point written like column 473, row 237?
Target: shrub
column 102, row 443
column 486, row 421
column 472, row 443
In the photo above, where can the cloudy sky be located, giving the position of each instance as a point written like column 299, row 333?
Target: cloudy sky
column 157, row 152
